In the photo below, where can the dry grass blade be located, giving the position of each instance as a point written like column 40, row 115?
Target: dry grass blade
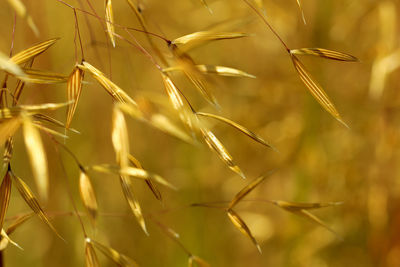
column 185, row 113
column 42, row 77
column 110, row 21
column 301, row 209
column 32, row 202
column 127, row 189
column 324, row 53
column 192, row 40
column 33, row 51
column 224, row 71
column 241, row 225
column 198, row 261
column 8, row 127
column 74, row 89
column 115, row 256
column 158, row 121
column 37, row 156
column 301, row 11
column 246, row 190
column 20, row 9
column 113, row 89
column 90, row 256
column 237, row 126
column 223, row 154
column 120, row 138
column 316, row 90
column 88, row 196
column 5, row 192
column 9, row 66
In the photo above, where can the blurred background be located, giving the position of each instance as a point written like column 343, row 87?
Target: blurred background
column 319, row 160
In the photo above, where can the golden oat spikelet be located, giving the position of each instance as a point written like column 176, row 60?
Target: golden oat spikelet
column 33, row 51
column 90, row 256
column 114, row 90
column 32, row 202
column 180, row 104
column 224, row 71
column 120, row 142
column 87, row 195
column 302, row 209
column 316, row 90
column 216, row 145
column 242, row 227
column 192, row 40
column 118, row 258
column 324, row 53
column 74, row 89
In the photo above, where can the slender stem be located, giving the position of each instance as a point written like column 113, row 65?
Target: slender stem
column 140, row 47
column 115, row 24
column 268, row 24
column 142, row 22
column 77, row 32
column 70, row 193
column 93, row 40
column 105, row 34
column 164, row 228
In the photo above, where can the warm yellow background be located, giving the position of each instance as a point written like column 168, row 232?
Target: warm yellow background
column 319, row 159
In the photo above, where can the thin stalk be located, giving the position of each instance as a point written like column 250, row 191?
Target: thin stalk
column 268, row 24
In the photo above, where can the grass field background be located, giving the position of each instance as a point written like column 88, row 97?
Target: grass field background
column 319, row 159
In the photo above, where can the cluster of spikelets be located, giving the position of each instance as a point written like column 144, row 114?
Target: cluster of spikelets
column 32, row 120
